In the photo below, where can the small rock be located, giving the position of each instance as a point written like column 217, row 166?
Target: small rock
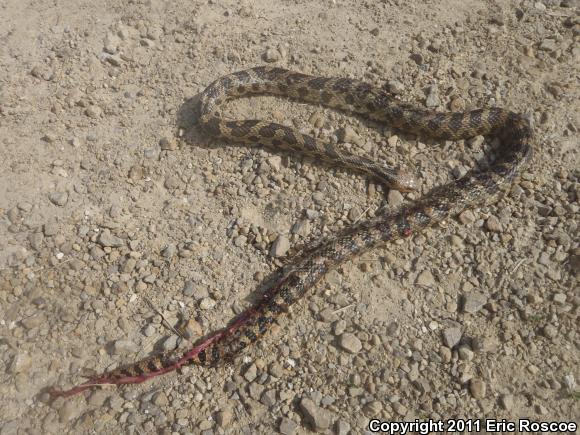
column 548, row 44
column 570, row 382
column 169, row 251
column 287, row 426
column 550, row 331
column 192, row 329
column 188, row 288
column 465, row 353
column 224, row 418
column 114, row 60
column 110, row 240
column 111, row 43
column 93, row 111
column 251, row 373
column 149, row 330
column 560, row 298
column 350, row 342
column 433, row 97
column 394, row 197
column 240, row 241
column 493, row 224
column 452, row 336
column 20, row 363
column 121, row 347
column 268, row 398
column 36, row 240
column 69, row 410
column 506, row 401
column 280, row 247
column 396, row 87
column 168, row 144
column 467, row 217
column 341, row 427
column 207, row 304
column 136, row 173
column 425, row 278
column 42, row 72
column 315, row 416
column 348, row 135
column 98, row 397
column 272, row 55
column 477, row 388
column 170, row 343
column 58, row 198
column 473, row 302
column 373, row 408
column 171, row 182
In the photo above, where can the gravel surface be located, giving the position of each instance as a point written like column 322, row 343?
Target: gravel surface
column 113, row 202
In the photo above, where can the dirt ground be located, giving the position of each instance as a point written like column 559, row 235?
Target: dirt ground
column 116, row 211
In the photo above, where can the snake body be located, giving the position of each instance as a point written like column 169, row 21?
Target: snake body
column 308, row 268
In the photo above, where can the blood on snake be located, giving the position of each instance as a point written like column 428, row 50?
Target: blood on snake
column 475, row 188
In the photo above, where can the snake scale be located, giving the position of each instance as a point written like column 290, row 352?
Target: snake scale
column 476, row 188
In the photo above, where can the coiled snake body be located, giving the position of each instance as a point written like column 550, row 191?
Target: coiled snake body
column 306, row 270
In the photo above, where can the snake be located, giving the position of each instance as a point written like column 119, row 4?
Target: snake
column 478, row 187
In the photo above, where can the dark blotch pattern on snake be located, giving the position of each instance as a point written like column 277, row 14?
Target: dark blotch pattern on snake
column 476, row 188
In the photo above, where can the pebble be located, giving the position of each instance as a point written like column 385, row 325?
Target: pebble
column 122, row 347
column 350, row 342
column 348, row 135
column 69, row 410
column 171, row 182
column 560, row 298
column 477, row 388
column 207, row 304
column 251, row 373
column 21, row 363
column 240, row 241
column 473, row 302
column 550, row 331
column 432, row 97
column 287, row 426
column 280, row 246
column 43, row 72
column 168, row 144
column 319, row 419
column 272, row 55
column 396, row 87
column 493, row 224
column 169, row 251
column 224, row 418
column 149, row 330
column 93, row 111
column 341, row 427
column 425, row 278
column 451, row 336
column 506, row 401
column 192, row 329
column 58, row 198
column 395, row 198
column 268, row 398
column 188, row 288
column 467, row 217
column 373, row 408
column 107, row 239
column 170, row 343
column 465, row 353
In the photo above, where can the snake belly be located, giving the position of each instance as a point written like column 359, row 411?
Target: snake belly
column 476, row 188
